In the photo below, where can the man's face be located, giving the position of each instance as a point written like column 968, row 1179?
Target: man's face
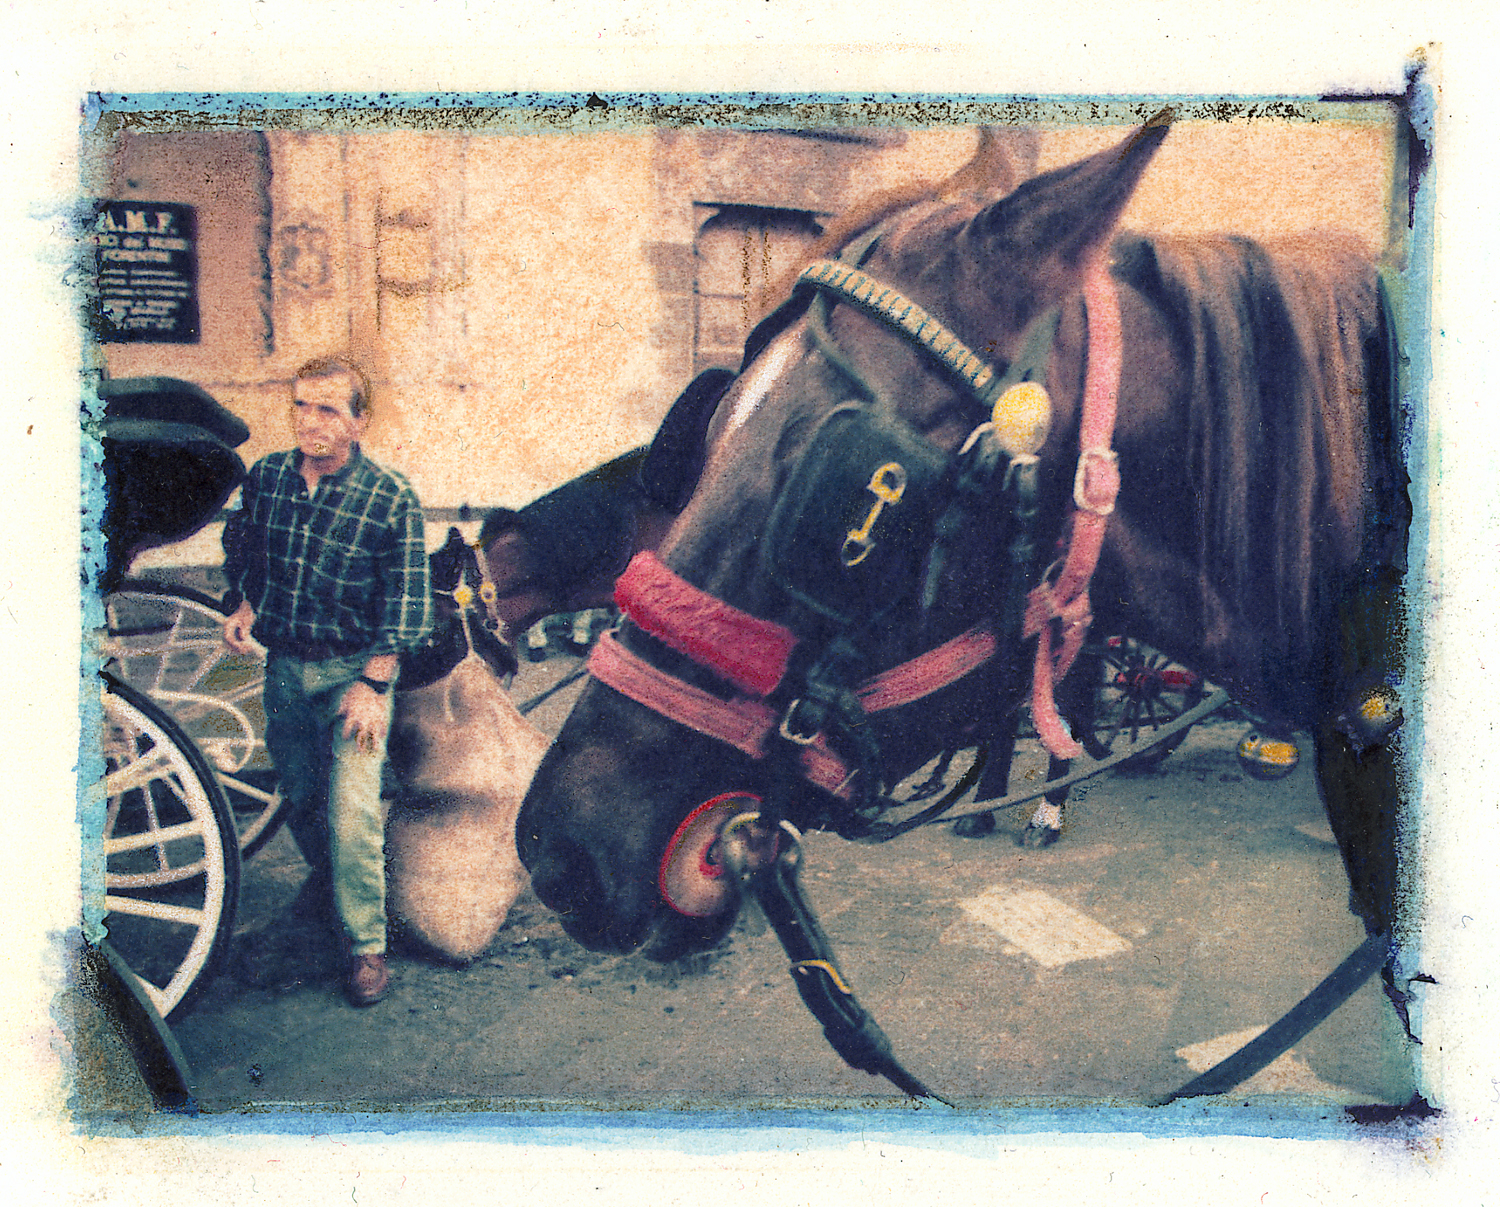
column 324, row 426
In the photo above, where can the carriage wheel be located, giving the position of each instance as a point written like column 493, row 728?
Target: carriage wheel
column 168, row 641
column 171, row 858
column 1139, row 690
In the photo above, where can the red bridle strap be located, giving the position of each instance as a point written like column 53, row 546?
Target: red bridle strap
column 927, row 673
column 741, row 649
column 1066, row 599
column 742, row 723
column 745, row 724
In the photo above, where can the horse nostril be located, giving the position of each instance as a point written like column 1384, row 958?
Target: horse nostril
column 564, row 878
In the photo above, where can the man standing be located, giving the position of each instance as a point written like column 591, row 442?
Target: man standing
column 327, row 558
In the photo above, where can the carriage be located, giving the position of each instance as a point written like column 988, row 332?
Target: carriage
column 188, row 790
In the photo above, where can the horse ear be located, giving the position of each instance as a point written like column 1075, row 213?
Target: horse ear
column 1035, row 243
column 1003, row 157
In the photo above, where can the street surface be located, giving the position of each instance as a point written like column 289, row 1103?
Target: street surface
column 1184, row 909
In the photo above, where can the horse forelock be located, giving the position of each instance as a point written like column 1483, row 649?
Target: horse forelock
column 1000, row 159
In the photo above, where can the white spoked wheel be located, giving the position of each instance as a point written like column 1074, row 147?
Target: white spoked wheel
column 168, row 642
column 170, row 853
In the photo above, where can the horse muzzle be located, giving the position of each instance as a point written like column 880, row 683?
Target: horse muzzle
column 692, row 904
column 567, row 881
column 623, row 888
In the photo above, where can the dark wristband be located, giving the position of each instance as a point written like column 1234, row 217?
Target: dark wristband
column 378, row 686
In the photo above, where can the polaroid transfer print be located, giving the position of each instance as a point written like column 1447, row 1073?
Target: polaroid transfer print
column 627, row 603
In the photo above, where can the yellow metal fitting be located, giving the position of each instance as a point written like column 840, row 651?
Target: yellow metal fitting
column 826, row 966
column 1378, row 708
column 1022, row 417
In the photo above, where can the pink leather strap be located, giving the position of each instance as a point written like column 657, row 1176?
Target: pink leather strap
column 742, row 649
column 1096, row 485
column 929, row 672
column 741, row 723
column 745, row 724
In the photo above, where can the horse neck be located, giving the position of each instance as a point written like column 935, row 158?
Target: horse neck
column 1163, row 575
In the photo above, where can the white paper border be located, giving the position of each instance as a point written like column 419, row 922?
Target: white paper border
column 60, row 51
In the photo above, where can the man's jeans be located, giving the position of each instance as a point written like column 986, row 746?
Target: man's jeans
column 332, row 788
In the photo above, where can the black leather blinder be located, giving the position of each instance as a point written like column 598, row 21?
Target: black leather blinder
column 852, row 529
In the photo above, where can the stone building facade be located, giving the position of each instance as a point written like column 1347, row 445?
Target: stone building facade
column 529, row 299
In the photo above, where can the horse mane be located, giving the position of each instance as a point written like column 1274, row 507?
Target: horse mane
column 1278, row 340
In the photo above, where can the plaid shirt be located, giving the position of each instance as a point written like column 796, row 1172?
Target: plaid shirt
column 344, row 568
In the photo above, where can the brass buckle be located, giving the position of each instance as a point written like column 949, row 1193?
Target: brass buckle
column 797, row 739
column 888, row 485
column 1080, row 480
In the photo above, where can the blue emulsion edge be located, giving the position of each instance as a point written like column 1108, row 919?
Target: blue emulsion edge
column 754, row 109
column 980, row 1131
column 1419, row 436
column 90, row 710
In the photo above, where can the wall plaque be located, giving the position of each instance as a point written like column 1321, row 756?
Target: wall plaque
column 146, row 267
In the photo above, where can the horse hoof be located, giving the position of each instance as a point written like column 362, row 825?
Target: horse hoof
column 976, row 825
column 1036, row 837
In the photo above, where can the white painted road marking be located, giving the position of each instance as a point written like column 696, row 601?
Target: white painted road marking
column 1287, row 1074
column 1050, row 931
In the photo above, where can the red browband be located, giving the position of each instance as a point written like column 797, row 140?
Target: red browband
column 741, row 649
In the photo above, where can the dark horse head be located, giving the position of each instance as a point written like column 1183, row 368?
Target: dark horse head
column 460, row 597
column 849, row 520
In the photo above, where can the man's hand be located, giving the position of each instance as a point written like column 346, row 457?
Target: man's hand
column 364, row 714
column 237, row 629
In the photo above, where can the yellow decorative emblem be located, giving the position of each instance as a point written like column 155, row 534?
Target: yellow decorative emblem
column 1378, row 708
column 1267, row 758
column 463, row 595
column 1022, row 417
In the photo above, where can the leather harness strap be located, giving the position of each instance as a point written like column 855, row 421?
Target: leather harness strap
column 752, row 654
column 740, row 722
column 740, row 648
column 1095, row 486
column 746, row 723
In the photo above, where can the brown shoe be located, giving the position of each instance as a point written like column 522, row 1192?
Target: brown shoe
column 369, row 980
